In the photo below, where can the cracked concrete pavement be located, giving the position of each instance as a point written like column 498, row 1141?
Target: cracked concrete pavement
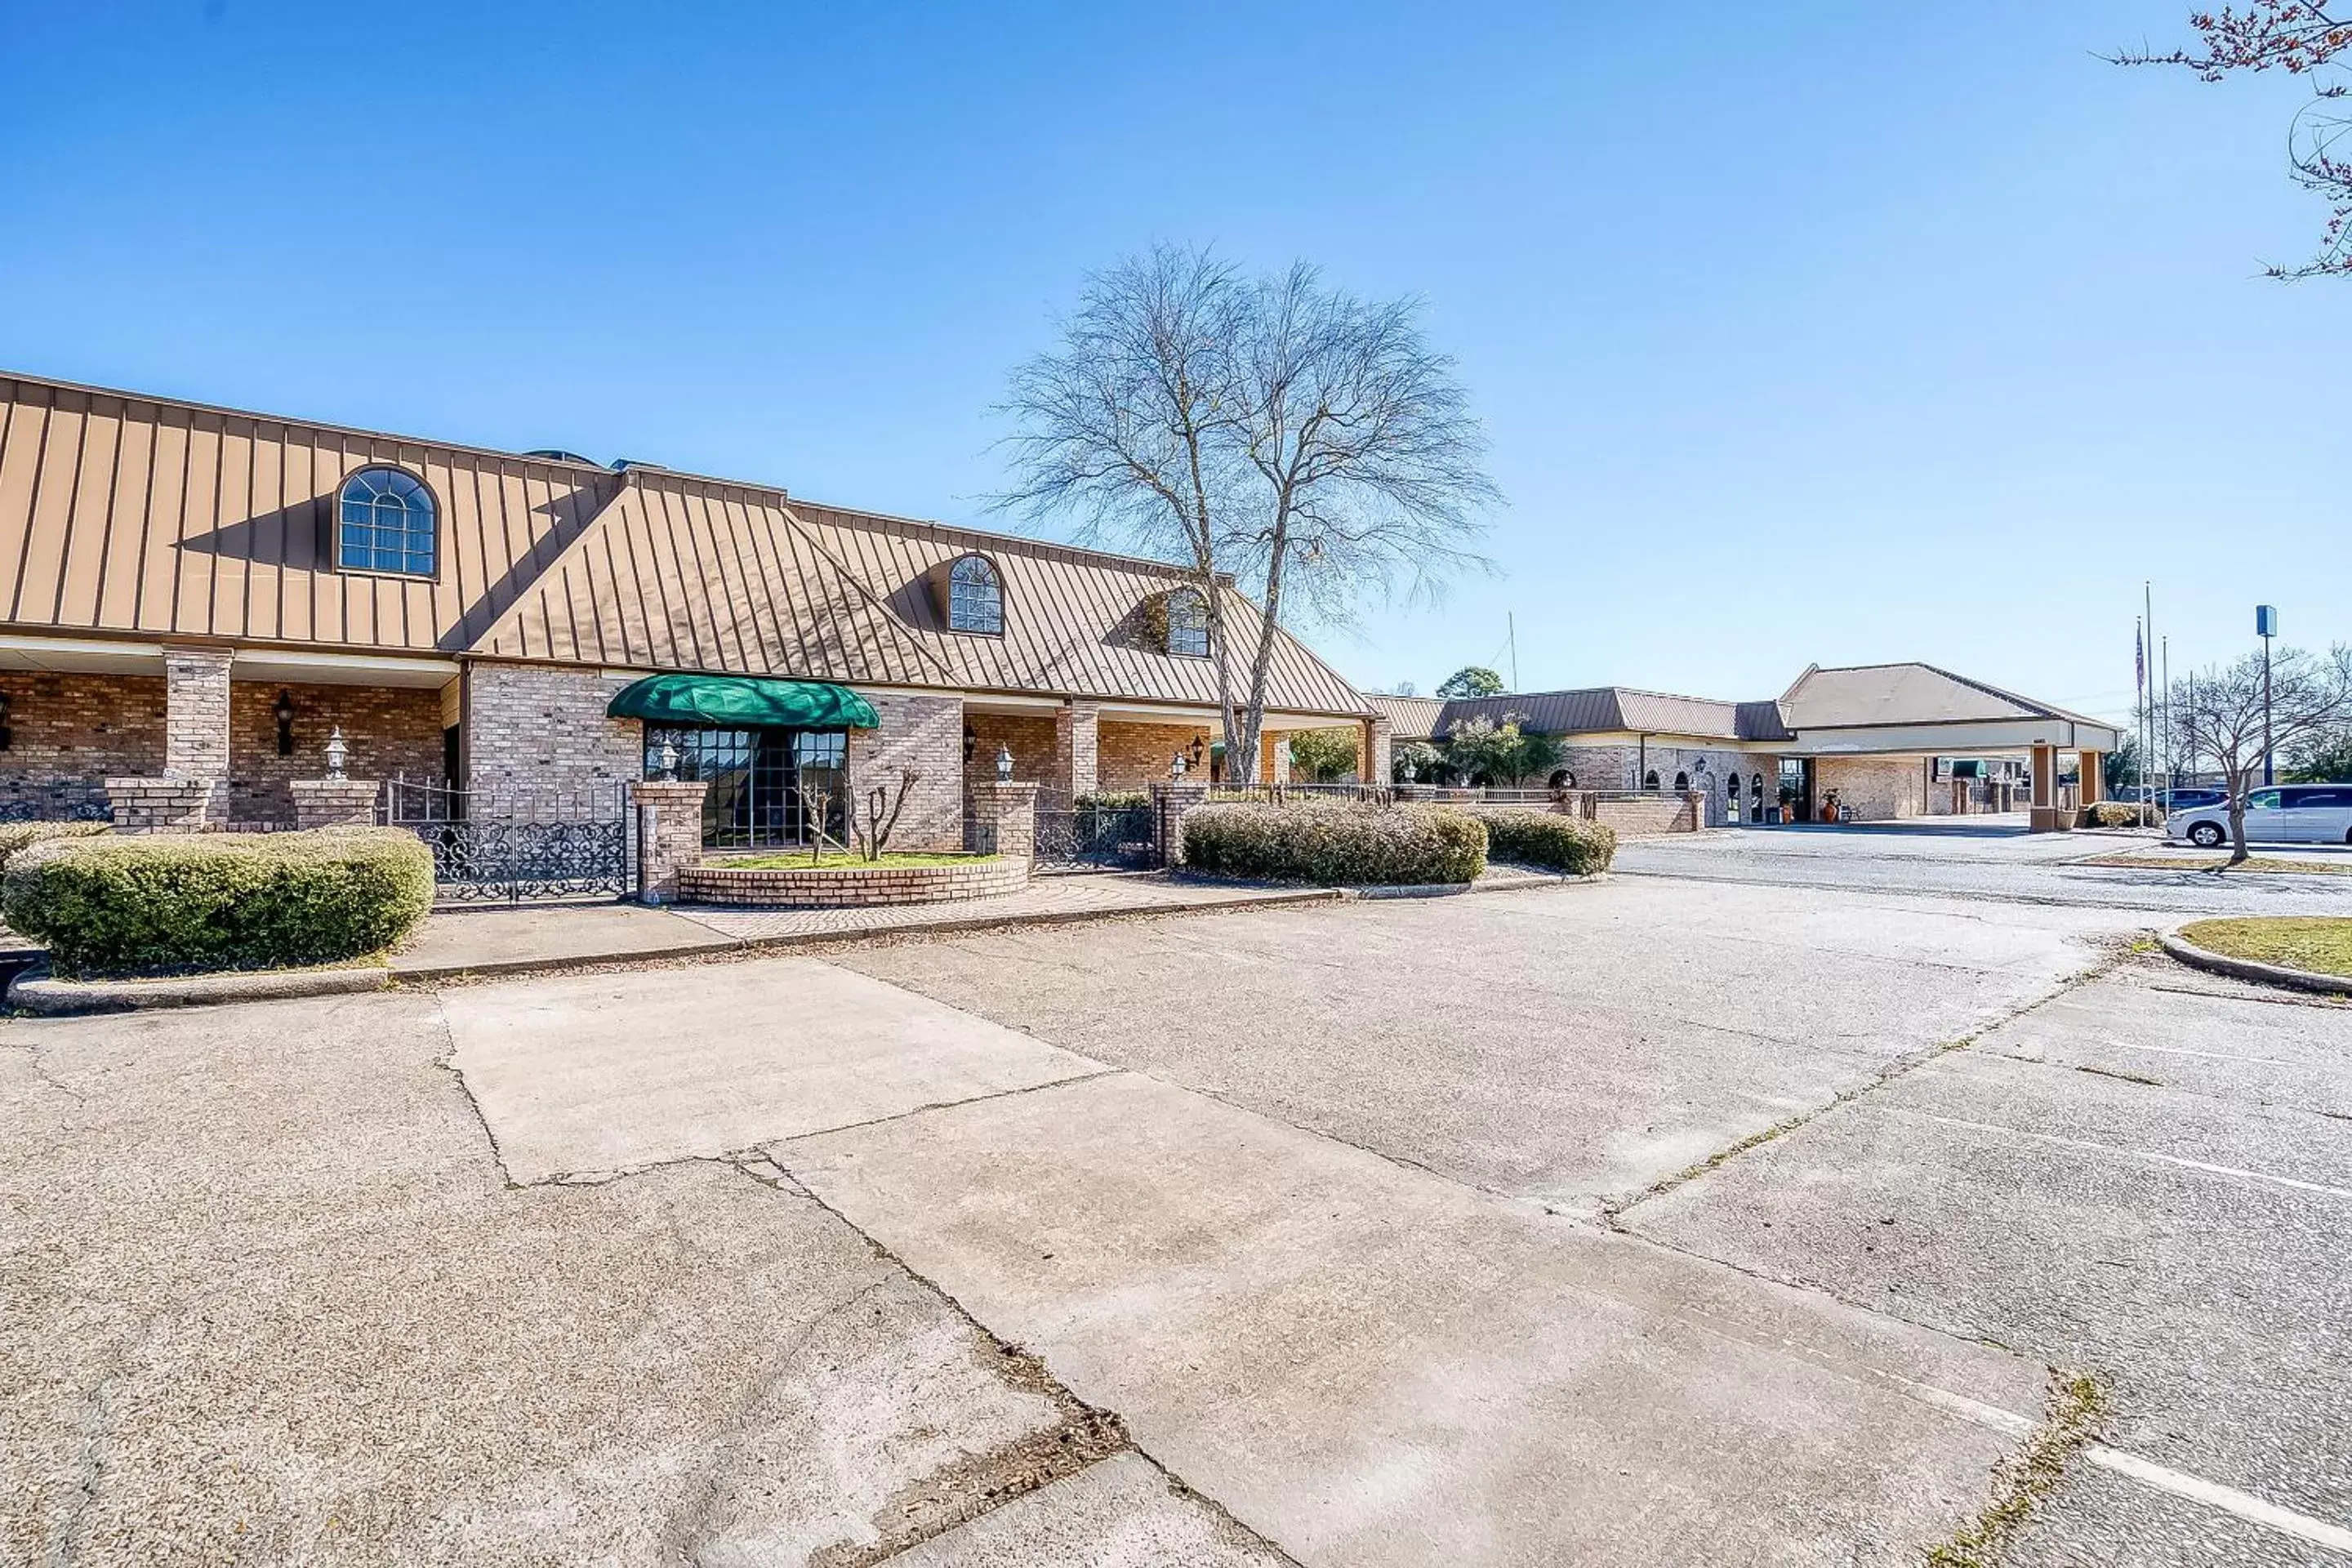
column 1311, row 1251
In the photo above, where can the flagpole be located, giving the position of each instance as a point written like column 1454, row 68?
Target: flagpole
column 2147, row 707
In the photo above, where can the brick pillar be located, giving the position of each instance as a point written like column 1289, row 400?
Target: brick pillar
column 1274, row 756
column 334, row 802
column 195, row 697
column 1004, row 819
column 1172, row 801
column 1696, row 812
column 164, row 805
column 669, row 834
column 1077, row 753
column 2042, row 815
column 1379, row 752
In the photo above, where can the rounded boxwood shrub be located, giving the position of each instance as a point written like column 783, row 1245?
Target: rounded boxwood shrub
column 2121, row 814
column 1334, row 844
column 219, row 900
column 15, row 837
column 1547, row 838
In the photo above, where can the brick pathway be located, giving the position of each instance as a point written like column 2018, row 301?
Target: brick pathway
column 1045, row 899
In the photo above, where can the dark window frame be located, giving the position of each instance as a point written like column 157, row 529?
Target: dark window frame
column 990, row 595
column 1196, row 619
column 372, row 566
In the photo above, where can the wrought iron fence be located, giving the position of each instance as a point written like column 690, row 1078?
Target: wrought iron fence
column 1096, row 832
column 530, row 845
column 57, row 800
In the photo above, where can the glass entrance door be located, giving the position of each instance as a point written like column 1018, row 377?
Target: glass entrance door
column 767, row 787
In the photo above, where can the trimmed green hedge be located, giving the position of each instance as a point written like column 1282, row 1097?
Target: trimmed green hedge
column 219, row 900
column 1335, row 845
column 1547, row 838
column 15, row 837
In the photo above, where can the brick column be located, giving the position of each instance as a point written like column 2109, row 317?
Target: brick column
column 164, row 805
column 1274, row 756
column 2042, row 813
column 1172, row 801
column 196, row 700
column 1077, row 750
column 1379, row 752
column 1004, row 819
column 669, row 834
column 334, row 802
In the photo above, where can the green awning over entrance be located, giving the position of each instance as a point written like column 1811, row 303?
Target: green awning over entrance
column 743, row 702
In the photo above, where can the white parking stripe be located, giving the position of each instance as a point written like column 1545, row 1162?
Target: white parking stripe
column 2187, row 1164
column 2162, row 1478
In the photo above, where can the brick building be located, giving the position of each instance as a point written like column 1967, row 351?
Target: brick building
column 1891, row 740
column 199, row 599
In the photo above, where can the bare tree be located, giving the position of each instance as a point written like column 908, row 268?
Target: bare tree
column 2299, row 38
column 883, row 805
column 1308, row 443
column 2223, row 709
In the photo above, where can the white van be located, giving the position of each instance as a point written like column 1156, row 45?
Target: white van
column 2286, row 814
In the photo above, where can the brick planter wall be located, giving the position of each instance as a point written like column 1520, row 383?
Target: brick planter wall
column 717, row 883
column 334, row 802
column 1649, row 814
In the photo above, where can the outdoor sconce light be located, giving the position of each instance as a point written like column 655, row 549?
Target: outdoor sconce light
column 666, row 759
column 7, row 736
column 339, row 751
column 970, row 741
column 1199, row 744
column 1003, row 765
column 1176, row 765
column 283, row 711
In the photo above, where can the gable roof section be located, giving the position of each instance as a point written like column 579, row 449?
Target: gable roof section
column 1591, row 709
column 151, row 517
column 1888, row 695
column 688, row 573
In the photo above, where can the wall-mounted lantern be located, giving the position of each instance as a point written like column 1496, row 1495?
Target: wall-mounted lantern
column 970, row 742
column 1003, row 765
column 283, row 711
column 339, row 751
column 1200, row 748
column 1176, row 765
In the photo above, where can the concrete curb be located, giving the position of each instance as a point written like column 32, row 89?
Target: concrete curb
column 2247, row 969
column 1458, row 890
column 744, row 944
column 62, row 998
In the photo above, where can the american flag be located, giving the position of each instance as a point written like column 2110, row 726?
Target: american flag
column 2139, row 658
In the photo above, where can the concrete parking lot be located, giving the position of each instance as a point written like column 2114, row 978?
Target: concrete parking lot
column 1708, row 1217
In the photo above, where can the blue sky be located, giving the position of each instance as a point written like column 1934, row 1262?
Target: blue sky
column 1833, row 332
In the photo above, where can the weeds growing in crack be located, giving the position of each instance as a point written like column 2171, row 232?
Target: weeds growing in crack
column 2073, row 1415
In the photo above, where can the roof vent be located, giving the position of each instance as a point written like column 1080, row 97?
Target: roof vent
column 557, row 455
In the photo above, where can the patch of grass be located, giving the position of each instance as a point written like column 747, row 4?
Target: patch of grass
column 2270, row 863
column 2073, row 1415
column 2319, row 944
column 834, row 860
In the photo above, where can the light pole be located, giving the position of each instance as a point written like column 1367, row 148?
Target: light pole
column 2266, row 627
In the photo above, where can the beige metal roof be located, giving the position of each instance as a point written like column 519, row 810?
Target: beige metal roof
column 155, row 517
column 1892, row 695
column 139, row 515
column 1593, row 710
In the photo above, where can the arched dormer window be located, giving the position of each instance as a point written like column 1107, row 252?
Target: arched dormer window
column 1649, row 779
column 1681, row 784
column 387, row 522
column 975, row 597
column 1188, row 623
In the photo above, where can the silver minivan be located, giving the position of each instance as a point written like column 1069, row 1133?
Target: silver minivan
column 2281, row 814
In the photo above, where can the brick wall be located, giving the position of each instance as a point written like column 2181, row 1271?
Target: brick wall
column 1132, row 755
column 925, row 733
column 715, row 883
column 1877, row 788
column 1075, row 741
column 389, row 730
column 532, row 730
column 1029, row 737
column 70, row 730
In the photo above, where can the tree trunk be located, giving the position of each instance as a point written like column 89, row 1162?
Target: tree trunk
column 2238, row 851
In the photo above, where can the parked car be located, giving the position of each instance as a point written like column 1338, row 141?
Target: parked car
column 2181, row 799
column 2284, row 813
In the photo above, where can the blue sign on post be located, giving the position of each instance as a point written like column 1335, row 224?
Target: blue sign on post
column 2266, row 621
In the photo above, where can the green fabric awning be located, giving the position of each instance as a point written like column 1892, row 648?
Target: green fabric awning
column 743, row 702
